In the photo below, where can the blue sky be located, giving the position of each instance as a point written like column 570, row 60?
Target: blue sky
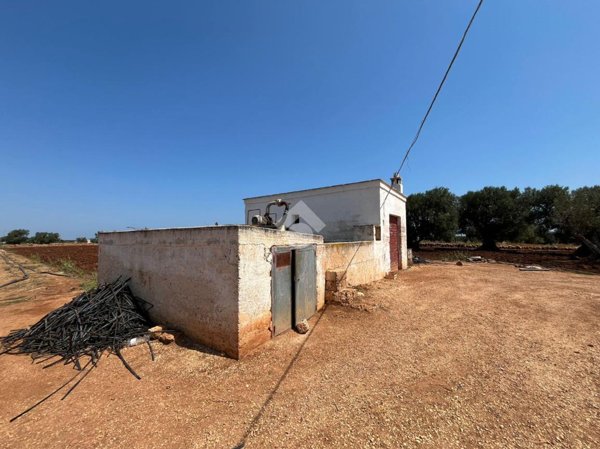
column 157, row 114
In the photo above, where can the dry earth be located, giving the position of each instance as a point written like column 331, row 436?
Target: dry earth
column 471, row 356
column 83, row 255
column 560, row 258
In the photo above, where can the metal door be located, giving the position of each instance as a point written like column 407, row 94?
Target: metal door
column 281, row 307
column 305, row 283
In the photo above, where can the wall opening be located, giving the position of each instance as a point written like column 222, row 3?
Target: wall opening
column 294, row 290
column 394, row 243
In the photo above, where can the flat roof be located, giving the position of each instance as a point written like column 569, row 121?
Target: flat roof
column 204, row 228
column 328, row 187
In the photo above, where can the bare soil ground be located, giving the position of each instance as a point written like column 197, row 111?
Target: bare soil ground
column 559, row 257
column 472, row 356
column 85, row 256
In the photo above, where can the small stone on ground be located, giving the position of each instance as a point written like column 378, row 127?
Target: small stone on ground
column 302, row 327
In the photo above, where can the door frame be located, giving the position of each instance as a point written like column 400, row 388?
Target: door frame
column 287, row 285
column 398, row 220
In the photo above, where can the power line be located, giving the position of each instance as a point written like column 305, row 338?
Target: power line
column 259, row 415
column 437, row 92
column 439, row 87
column 423, row 121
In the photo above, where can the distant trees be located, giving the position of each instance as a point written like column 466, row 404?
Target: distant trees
column 493, row 214
column 432, row 215
column 16, row 236
column 45, row 237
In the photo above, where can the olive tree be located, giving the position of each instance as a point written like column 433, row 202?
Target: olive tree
column 45, row 237
column 432, row 215
column 492, row 214
column 581, row 216
column 543, row 212
column 16, row 236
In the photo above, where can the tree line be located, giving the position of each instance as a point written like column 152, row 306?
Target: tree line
column 19, row 236
column 552, row 214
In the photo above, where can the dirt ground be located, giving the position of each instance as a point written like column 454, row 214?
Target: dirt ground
column 560, row 258
column 449, row 357
column 85, row 256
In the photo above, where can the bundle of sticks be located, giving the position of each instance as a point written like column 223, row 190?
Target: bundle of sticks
column 102, row 320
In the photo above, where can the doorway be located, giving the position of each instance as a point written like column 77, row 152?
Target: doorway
column 294, row 286
column 394, row 243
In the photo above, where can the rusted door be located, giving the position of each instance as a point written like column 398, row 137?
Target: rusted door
column 394, row 239
column 281, row 300
column 305, row 283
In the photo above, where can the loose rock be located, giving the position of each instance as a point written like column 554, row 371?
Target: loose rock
column 302, row 327
column 166, row 338
column 155, row 332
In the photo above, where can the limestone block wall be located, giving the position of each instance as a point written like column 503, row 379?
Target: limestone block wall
column 212, row 283
column 189, row 275
column 358, row 262
column 255, row 263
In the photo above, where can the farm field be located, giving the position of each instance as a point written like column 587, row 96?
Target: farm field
column 479, row 355
column 84, row 256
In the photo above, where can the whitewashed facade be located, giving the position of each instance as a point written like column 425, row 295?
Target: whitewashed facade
column 360, row 211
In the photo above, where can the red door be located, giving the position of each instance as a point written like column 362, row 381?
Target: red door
column 394, row 251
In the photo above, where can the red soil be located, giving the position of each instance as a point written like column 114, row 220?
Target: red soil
column 555, row 257
column 85, row 256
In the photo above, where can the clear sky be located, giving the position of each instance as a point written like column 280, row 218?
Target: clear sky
column 121, row 114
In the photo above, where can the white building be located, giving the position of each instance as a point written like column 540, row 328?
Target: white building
column 368, row 211
column 234, row 287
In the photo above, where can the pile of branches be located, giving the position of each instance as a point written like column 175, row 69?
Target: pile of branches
column 105, row 319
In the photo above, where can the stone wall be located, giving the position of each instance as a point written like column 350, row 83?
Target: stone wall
column 356, row 262
column 212, row 283
column 189, row 275
column 255, row 263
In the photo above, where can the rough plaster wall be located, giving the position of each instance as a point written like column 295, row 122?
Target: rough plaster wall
column 393, row 206
column 255, row 281
column 190, row 275
column 361, row 261
column 321, row 269
column 341, row 208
